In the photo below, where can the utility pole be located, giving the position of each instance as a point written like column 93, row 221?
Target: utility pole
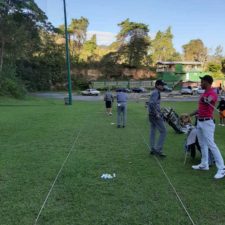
column 67, row 57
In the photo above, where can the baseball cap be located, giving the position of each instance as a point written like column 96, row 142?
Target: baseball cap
column 160, row 82
column 207, row 78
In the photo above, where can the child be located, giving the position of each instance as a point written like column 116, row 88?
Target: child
column 221, row 108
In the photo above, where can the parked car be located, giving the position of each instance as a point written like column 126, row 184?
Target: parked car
column 90, row 92
column 127, row 90
column 200, row 90
column 195, row 89
column 186, row 91
column 167, row 89
column 139, row 90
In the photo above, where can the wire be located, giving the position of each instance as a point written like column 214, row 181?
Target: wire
column 169, row 181
column 60, row 170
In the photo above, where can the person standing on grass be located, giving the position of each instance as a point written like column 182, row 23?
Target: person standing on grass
column 108, row 102
column 221, row 108
column 121, row 109
column 206, row 128
column 156, row 120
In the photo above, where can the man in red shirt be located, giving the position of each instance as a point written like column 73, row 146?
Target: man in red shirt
column 206, row 128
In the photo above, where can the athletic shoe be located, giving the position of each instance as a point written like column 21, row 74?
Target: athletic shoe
column 161, row 154
column 200, row 167
column 222, row 125
column 110, row 114
column 219, row 124
column 153, row 152
column 220, row 174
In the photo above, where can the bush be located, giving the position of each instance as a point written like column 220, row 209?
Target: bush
column 10, row 85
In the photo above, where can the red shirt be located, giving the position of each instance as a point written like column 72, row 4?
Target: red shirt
column 204, row 109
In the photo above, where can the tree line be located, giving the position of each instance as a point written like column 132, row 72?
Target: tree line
column 32, row 52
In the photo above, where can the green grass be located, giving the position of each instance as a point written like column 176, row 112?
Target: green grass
column 36, row 137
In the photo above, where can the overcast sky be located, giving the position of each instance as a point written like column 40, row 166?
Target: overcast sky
column 189, row 19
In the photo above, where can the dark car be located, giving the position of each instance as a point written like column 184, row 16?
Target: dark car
column 127, row 90
column 139, row 90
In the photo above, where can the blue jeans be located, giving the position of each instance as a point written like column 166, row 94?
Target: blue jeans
column 157, row 124
column 121, row 114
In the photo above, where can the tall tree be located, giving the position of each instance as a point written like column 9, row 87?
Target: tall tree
column 223, row 65
column 218, row 55
column 162, row 47
column 78, row 30
column 195, row 51
column 218, row 52
column 19, row 24
column 89, row 48
column 134, row 41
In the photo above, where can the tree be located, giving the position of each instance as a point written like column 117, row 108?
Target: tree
column 195, row 51
column 215, row 70
column 223, row 65
column 218, row 52
column 78, row 31
column 162, row 47
column 89, row 48
column 134, row 41
column 19, row 24
column 109, row 66
column 46, row 67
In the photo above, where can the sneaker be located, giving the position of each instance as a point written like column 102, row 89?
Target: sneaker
column 219, row 124
column 152, row 152
column 200, row 167
column 110, row 114
column 222, row 125
column 220, row 174
column 161, row 154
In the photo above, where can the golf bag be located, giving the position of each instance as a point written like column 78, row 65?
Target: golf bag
column 172, row 118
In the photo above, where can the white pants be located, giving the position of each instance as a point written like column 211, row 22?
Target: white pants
column 205, row 134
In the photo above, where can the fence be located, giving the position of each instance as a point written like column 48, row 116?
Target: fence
column 126, row 84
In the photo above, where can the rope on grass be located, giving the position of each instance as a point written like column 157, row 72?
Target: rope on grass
column 171, row 184
column 50, row 190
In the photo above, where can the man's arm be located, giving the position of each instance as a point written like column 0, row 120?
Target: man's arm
column 152, row 105
column 194, row 113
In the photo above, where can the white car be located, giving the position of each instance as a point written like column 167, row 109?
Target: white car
column 90, row 92
column 200, row 90
column 186, row 91
column 195, row 89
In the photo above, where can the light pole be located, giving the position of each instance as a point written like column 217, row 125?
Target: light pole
column 67, row 57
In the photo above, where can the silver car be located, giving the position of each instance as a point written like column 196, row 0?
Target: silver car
column 186, row 91
column 90, row 92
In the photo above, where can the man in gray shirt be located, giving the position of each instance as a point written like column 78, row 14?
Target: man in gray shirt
column 156, row 120
column 108, row 98
column 121, row 109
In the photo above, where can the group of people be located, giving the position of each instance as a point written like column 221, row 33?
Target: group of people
column 121, row 98
column 205, row 125
column 205, row 122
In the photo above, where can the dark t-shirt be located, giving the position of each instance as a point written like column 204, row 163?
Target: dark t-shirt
column 221, row 105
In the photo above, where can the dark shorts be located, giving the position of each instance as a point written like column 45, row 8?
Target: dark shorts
column 108, row 104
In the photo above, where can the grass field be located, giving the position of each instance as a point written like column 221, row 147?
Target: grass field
column 36, row 138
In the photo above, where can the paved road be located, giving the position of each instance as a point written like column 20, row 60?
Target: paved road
column 174, row 96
